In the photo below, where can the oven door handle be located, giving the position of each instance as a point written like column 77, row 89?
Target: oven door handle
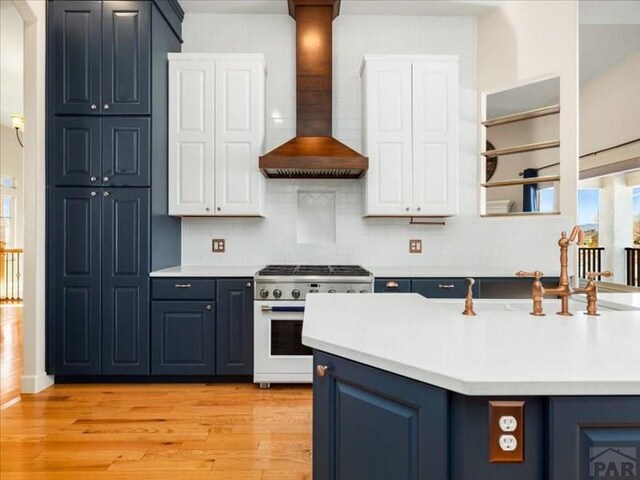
column 282, row 309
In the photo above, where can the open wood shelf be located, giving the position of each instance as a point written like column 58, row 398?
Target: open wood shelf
column 517, row 117
column 520, row 214
column 523, row 181
column 532, row 147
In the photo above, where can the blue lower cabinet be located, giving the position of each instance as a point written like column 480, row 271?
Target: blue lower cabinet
column 392, row 285
column 234, row 326
column 443, row 287
column 594, row 437
column 183, row 338
column 373, row 425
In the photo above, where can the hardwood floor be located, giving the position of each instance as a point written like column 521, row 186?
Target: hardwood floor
column 159, row 431
column 10, row 354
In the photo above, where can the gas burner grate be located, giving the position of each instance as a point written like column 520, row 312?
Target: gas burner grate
column 314, row 270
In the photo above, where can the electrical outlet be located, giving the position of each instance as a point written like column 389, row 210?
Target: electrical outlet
column 506, row 431
column 415, row 245
column 218, row 245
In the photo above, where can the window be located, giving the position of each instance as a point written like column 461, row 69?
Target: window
column 7, row 214
column 7, row 181
column 588, row 214
column 636, row 216
column 546, row 199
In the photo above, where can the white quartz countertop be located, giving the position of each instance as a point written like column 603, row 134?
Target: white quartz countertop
column 494, row 353
column 207, row 271
column 444, row 272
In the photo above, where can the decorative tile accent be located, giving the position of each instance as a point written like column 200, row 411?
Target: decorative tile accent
column 316, row 218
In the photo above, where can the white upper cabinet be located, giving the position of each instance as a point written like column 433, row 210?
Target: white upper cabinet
column 410, row 113
column 216, row 134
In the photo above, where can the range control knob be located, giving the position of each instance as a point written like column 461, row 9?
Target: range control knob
column 364, row 291
column 332, row 290
column 351, row 291
column 295, row 293
column 264, row 293
column 277, row 293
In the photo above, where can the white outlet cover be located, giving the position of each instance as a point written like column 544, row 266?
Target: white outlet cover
column 508, row 423
column 508, row 443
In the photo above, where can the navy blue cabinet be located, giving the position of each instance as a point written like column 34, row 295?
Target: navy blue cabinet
column 101, row 57
column 76, row 265
column 594, row 437
column 442, row 287
column 126, row 57
column 183, row 338
column 370, row 424
column 392, row 285
column 100, row 289
column 234, row 328
column 125, row 281
column 108, row 151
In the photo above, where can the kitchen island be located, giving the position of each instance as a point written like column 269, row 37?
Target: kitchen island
column 403, row 386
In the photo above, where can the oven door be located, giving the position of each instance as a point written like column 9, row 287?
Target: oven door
column 279, row 355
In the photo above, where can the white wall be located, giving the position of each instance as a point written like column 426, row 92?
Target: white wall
column 11, row 164
column 610, row 106
column 466, row 240
column 528, row 39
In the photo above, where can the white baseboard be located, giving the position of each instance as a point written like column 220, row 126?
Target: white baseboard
column 36, row 383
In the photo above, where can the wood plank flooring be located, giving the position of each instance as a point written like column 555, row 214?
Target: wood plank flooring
column 10, row 354
column 158, row 431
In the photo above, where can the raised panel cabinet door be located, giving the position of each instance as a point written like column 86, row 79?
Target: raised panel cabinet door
column 239, row 130
column 234, row 327
column 387, row 90
column 125, row 281
column 191, row 137
column 374, row 425
column 75, row 33
column 126, row 152
column 126, row 57
column 76, row 281
column 183, row 338
column 76, row 160
column 435, row 137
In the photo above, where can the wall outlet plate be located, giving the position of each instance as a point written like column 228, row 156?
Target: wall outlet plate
column 415, row 245
column 506, row 431
column 218, row 245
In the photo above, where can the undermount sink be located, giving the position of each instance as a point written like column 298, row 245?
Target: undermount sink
column 522, row 305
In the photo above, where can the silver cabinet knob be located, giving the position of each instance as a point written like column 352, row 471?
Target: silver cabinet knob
column 207, row 209
column 321, row 370
column 248, row 284
column 105, row 179
column 209, row 307
column 106, row 106
column 93, row 179
column 219, row 209
column 94, row 106
column 93, row 194
column 105, row 194
column 418, row 209
column 407, row 209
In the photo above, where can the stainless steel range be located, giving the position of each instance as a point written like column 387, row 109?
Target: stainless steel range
column 281, row 290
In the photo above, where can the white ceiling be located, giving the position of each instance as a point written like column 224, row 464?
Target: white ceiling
column 11, row 58
column 609, row 33
column 348, row 7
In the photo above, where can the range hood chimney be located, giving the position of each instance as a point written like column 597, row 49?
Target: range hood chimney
column 313, row 153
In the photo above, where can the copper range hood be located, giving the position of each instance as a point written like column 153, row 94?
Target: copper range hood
column 313, row 153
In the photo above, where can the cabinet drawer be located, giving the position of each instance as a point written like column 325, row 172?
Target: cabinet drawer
column 392, row 285
column 442, row 287
column 178, row 288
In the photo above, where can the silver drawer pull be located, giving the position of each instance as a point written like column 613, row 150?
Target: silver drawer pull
column 183, row 285
column 392, row 285
column 446, row 287
column 267, row 309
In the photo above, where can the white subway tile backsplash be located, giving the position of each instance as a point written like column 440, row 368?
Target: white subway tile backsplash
column 522, row 243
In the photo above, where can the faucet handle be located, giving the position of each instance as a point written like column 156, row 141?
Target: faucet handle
column 537, row 274
column 594, row 275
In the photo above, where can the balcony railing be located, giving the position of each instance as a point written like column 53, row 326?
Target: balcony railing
column 633, row 266
column 11, row 274
column 589, row 260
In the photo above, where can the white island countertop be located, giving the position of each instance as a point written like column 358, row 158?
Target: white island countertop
column 494, row 353
column 487, row 271
column 207, row 271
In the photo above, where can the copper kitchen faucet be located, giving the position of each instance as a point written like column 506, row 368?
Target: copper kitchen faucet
column 564, row 290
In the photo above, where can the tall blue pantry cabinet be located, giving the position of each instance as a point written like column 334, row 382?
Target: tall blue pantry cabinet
column 107, row 223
